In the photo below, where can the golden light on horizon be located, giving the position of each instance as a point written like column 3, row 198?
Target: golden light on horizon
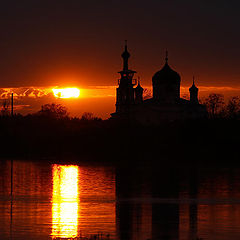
column 65, row 201
column 72, row 92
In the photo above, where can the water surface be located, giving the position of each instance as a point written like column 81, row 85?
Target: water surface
column 137, row 203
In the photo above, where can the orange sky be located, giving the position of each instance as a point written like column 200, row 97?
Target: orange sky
column 100, row 100
column 79, row 43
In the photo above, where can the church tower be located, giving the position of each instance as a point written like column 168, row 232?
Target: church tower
column 125, row 90
column 193, row 93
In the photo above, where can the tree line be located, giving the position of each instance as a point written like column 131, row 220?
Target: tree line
column 51, row 132
column 217, row 107
column 215, row 104
column 50, row 111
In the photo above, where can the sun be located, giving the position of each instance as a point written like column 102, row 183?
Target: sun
column 66, row 92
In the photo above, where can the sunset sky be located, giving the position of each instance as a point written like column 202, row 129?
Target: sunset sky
column 75, row 43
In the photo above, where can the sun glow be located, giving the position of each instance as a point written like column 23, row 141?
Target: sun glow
column 65, row 201
column 66, row 92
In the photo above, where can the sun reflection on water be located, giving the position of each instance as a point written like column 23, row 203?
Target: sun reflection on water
column 65, row 201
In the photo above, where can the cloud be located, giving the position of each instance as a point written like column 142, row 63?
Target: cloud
column 97, row 99
column 22, row 106
column 97, row 91
column 20, row 92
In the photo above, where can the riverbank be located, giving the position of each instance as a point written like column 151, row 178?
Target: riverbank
column 211, row 142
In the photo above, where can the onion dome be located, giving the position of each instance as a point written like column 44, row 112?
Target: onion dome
column 166, row 74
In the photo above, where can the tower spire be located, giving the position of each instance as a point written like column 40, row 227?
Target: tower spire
column 166, row 58
column 138, row 81
column 125, row 56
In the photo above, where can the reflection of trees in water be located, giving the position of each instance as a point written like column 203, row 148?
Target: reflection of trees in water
column 193, row 207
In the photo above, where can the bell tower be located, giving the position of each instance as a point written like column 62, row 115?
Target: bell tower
column 125, row 90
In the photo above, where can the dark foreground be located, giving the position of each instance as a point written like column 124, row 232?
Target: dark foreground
column 206, row 142
column 90, row 179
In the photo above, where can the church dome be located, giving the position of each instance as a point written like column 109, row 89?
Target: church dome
column 166, row 84
column 166, row 75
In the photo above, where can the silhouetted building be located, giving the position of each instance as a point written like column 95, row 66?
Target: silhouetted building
column 165, row 104
column 125, row 91
column 193, row 93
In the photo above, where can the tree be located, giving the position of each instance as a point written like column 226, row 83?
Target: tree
column 88, row 116
column 186, row 96
column 5, row 108
column 233, row 107
column 214, row 102
column 55, row 111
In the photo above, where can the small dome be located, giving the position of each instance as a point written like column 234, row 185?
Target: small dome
column 139, row 87
column 193, row 87
column 125, row 54
column 166, row 75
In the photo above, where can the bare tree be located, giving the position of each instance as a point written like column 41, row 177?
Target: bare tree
column 5, row 108
column 214, row 102
column 87, row 116
column 233, row 107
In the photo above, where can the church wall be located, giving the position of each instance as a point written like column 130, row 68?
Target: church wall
column 166, row 92
column 155, row 115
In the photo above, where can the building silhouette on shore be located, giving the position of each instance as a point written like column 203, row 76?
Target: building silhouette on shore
column 165, row 104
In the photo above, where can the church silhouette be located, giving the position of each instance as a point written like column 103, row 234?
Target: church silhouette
column 165, row 104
